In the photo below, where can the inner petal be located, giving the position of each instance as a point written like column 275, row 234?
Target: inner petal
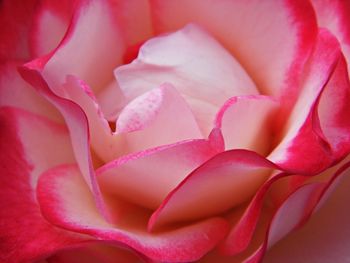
column 195, row 63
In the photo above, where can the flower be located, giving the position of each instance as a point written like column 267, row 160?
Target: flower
column 168, row 131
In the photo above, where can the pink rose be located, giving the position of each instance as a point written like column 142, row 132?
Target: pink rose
column 171, row 131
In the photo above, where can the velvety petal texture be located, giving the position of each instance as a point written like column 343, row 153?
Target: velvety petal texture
column 172, row 131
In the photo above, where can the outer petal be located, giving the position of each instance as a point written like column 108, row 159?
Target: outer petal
column 50, row 24
column 223, row 182
column 145, row 178
column 25, row 140
column 181, row 245
column 87, row 51
column 325, row 238
column 334, row 15
column 254, row 32
column 317, row 132
column 17, row 93
column 76, row 122
column 195, row 63
column 246, row 122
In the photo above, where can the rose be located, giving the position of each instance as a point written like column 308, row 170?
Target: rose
column 230, row 129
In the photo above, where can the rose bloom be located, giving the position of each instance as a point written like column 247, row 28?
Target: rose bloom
column 174, row 131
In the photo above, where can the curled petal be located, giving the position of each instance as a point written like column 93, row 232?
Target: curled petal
column 254, row 32
column 77, row 125
column 184, row 244
column 246, row 122
column 225, row 181
column 25, row 140
column 86, row 50
column 195, row 63
column 334, row 15
column 317, row 132
column 15, row 92
column 145, row 178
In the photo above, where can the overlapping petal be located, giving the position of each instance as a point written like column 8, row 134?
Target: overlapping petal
column 183, row 244
column 195, row 63
column 15, row 92
column 50, row 23
column 247, row 122
column 334, row 15
column 319, row 118
column 146, row 177
column 25, row 140
column 254, row 32
column 223, row 182
column 86, row 49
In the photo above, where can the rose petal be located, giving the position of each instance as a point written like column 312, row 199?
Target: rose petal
column 17, row 93
column 76, row 122
column 15, row 18
column 316, row 122
column 334, row 15
column 302, row 201
column 225, row 181
column 135, row 18
column 161, row 111
column 245, row 122
column 325, row 238
column 181, row 245
column 254, row 32
column 25, row 140
column 195, row 63
column 50, row 23
column 145, row 178
column 91, row 49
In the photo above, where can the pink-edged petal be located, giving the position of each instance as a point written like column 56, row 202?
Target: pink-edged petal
column 145, row 178
column 334, row 15
column 225, row 181
column 76, row 122
column 90, row 50
column 317, row 131
column 297, row 208
column 50, row 23
column 100, row 132
column 158, row 117
column 184, row 244
column 25, row 140
column 248, row 235
column 15, row 20
column 254, row 32
column 324, row 238
column 246, row 122
column 39, row 136
column 242, row 232
column 334, row 111
column 17, row 93
column 194, row 62
column 281, row 223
